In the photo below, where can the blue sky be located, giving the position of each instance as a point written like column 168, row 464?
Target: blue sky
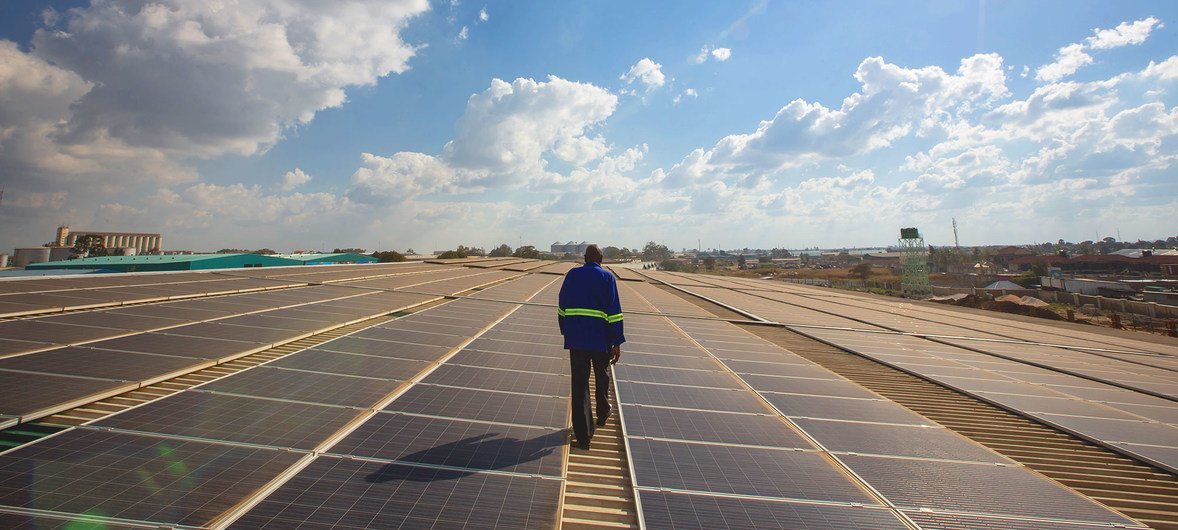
column 425, row 125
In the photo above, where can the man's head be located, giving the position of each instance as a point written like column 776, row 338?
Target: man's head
column 593, row 254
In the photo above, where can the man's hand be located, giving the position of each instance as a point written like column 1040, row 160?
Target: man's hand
column 616, row 352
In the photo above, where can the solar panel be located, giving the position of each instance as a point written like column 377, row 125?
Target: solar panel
column 552, row 338
column 546, row 350
column 38, row 331
column 741, row 470
column 198, row 347
column 108, row 319
column 106, row 364
column 483, row 405
column 676, row 376
column 405, row 335
column 297, row 385
column 881, row 411
column 669, row 361
column 1108, row 430
column 10, row 346
column 216, row 330
column 676, row 510
column 510, row 361
column 1056, row 405
column 174, row 310
column 135, row 477
column 951, row 521
column 401, row 350
column 977, row 488
column 722, row 399
column 706, row 426
column 265, row 320
column 20, row 521
column 504, row 380
column 457, row 443
column 25, row 394
column 352, row 364
column 806, row 385
column 236, row 419
column 897, row 440
column 340, row 493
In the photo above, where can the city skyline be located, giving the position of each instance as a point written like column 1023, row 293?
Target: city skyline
column 395, row 125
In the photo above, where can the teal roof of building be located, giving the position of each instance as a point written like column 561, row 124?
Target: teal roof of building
column 335, row 257
column 165, row 262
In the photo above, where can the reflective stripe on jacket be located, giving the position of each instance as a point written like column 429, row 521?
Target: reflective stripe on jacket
column 590, row 313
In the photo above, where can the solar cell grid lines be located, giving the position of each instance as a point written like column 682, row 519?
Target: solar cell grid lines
column 504, row 380
column 741, row 470
column 235, row 419
column 334, row 492
column 298, row 385
column 483, row 405
column 677, row 376
column 850, row 409
column 511, row 361
column 25, row 394
column 137, row 477
column 663, row 509
column 465, row 444
column 710, row 426
column 107, row 364
column 977, row 488
column 913, row 441
column 718, row 399
column 385, row 348
column 342, row 363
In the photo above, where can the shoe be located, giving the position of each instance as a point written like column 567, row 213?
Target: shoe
column 601, row 420
column 584, row 446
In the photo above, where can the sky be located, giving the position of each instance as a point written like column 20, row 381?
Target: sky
column 409, row 124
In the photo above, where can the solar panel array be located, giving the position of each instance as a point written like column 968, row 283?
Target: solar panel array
column 1112, row 390
column 802, row 436
column 300, row 422
column 456, row 415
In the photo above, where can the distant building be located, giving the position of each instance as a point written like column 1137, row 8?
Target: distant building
column 1005, row 256
column 186, row 262
column 569, row 248
column 142, row 243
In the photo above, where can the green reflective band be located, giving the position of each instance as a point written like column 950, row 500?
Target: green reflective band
column 583, row 312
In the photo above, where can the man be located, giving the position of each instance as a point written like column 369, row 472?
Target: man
column 590, row 317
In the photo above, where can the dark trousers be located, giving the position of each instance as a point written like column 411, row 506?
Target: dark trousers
column 579, row 361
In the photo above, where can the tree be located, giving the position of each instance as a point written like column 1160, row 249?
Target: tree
column 709, row 263
column 740, row 262
column 655, row 252
column 388, row 256
column 452, row 254
column 861, row 271
column 470, row 251
column 501, row 251
column 349, row 251
column 90, row 245
column 527, row 252
column 264, row 252
column 611, row 252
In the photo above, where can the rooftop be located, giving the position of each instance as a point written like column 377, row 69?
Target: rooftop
column 435, row 394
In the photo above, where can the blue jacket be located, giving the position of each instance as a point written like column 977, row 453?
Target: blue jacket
column 590, row 313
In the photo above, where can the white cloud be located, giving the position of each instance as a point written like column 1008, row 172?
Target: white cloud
column 236, row 78
column 1074, row 56
column 464, row 33
column 506, row 138
column 647, row 72
column 483, row 16
column 894, row 102
column 687, row 93
column 1069, row 59
column 1124, row 34
column 294, row 178
column 702, row 56
column 722, row 54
